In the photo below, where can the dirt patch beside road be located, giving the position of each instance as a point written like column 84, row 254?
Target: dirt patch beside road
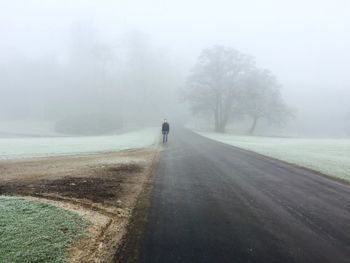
column 103, row 188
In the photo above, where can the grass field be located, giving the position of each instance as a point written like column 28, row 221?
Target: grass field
column 328, row 156
column 36, row 232
column 103, row 188
column 12, row 148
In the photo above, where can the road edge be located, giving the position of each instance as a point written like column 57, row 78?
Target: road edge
column 128, row 250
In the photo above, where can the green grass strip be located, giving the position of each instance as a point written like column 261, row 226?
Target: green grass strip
column 36, row 232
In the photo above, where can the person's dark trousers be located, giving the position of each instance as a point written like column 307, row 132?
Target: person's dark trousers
column 165, row 137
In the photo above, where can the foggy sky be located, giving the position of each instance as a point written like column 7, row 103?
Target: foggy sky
column 297, row 40
column 306, row 44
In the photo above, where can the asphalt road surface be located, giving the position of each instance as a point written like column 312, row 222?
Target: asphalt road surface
column 215, row 203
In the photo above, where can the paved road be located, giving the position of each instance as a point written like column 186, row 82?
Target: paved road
column 215, row 203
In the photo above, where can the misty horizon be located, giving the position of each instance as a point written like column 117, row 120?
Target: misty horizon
column 131, row 60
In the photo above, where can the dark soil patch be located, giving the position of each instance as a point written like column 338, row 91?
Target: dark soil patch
column 106, row 184
column 129, row 168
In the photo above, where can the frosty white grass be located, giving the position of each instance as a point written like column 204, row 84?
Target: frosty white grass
column 11, row 148
column 328, row 156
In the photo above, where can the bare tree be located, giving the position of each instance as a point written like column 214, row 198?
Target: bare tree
column 262, row 99
column 214, row 83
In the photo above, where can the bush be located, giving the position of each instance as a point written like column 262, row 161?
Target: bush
column 92, row 124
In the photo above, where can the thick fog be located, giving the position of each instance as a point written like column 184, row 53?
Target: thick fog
column 129, row 62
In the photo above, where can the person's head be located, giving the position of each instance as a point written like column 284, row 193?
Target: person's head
column 165, row 120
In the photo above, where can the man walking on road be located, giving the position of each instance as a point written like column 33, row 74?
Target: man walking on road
column 165, row 130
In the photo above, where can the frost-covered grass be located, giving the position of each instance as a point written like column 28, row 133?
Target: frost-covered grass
column 11, row 148
column 36, row 232
column 328, row 156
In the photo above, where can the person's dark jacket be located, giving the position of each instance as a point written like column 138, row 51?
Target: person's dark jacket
column 165, row 127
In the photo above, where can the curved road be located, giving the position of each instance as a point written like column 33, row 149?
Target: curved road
column 215, row 203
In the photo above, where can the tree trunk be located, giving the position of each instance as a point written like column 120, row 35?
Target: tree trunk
column 225, row 111
column 216, row 120
column 222, row 128
column 220, row 122
column 219, row 127
column 252, row 129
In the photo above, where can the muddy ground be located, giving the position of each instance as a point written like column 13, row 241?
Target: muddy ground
column 103, row 188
